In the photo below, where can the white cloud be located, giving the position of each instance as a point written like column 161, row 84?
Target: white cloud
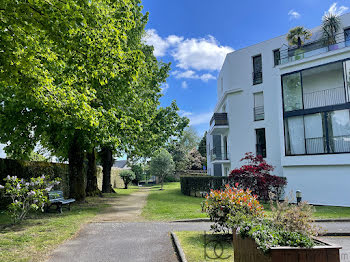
column 164, row 88
column 334, row 9
column 184, row 85
column 200, row 54
column 190, row 74
column 197, row 119
column 160, row 45
column 194, row 53
column 293, row 14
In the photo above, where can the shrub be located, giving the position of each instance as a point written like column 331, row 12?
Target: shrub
column 201, row 183
column 127, row 176
column 233, row 202
column 26, row 195
column 256, row 176
column 294, row 218
column 266, row 234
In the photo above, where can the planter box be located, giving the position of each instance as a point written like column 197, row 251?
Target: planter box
column 245, row 250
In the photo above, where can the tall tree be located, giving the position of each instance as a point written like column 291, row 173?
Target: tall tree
column 202, row 148
column 162, row 165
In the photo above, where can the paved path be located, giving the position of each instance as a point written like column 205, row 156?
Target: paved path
column 118, row 234
column 124, row 242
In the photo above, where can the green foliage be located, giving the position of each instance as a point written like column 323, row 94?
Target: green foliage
column 267, row 235
column 26, row 196
column 230, row 202
column 194, row 160
column 138, row 170
column 127, row 176
column 330, row 26
column 191, row 184
column 162, row 165
column 294, row 218
column 202, row 148
column 298, row 35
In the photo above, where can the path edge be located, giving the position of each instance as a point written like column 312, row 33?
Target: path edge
column 178, row 249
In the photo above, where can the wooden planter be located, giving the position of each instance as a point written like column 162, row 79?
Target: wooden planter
column 245, row 250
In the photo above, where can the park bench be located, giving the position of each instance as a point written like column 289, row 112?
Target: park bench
column 56, row 198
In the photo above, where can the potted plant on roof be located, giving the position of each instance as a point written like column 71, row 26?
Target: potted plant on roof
column 330, row 27
column 296, row 37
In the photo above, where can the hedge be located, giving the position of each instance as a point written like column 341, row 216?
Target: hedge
column 193, row 185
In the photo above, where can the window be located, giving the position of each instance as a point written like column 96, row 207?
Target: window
column 257, row 70
column 347, row 36
column 259, row 106
column 260, row 142
column 276, row 57
column 292, row 94
column 320, row 133
column 222, row 84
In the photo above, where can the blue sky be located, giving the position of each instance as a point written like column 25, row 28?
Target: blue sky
column 195, row 36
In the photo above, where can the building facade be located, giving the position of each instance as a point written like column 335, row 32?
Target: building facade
column 292, row 106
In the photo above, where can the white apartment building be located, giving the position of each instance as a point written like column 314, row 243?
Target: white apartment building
column 293, row 107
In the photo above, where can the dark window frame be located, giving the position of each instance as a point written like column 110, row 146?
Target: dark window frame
column 278, row 61
column 260, row 146
column 257, row 75
column 309, row 111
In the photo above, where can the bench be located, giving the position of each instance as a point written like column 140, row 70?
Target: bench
column 56, row 198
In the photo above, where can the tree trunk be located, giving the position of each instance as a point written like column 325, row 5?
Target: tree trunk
column 76, row 169
column 125, row 185
column 91, row 175
column 107, row 163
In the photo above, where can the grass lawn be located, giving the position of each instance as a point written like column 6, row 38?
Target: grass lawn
column 122, row 191
column 37, row 236
column 171, row 204
column 193, row 245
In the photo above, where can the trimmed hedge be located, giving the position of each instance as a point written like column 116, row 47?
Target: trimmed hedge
column 193, row 185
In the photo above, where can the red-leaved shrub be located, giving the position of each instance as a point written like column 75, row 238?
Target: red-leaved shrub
column 256, row 176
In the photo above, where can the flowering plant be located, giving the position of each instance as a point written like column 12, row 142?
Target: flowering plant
column 26, row 195
column 231, row 202
column 256, row 176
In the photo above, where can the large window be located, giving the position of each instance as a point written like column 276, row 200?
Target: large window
column 260, row 142
column 292, row 93
column 316, row 87
column 320, row 133
column 257, row 70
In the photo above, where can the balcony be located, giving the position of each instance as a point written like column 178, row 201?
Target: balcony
column 327, row 97
column 335, row 144
column 218, row 124
column 219, row 154
column 319, row 46
column 259, row 113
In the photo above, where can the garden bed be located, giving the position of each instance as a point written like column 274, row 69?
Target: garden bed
column 246, row 250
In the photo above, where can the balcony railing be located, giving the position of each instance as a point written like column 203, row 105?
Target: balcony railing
column 219, row 153
column 257, row 78
column 336, row 144
column 219, row 119
column 325, row 97
column 259, row 113
column 319, row 46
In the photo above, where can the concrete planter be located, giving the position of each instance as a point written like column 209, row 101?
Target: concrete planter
column 245, row 250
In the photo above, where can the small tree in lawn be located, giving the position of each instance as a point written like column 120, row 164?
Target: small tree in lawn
column 127, row 176
column 162, row 165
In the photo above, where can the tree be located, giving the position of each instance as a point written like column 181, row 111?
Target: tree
column 189, row 139
column 127, row 176
column 298, row 35
column 202, row 148
column 138, row 171
column 162, row 165
column 195, row 160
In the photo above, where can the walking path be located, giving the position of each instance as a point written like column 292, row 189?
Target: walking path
column 120, row 234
